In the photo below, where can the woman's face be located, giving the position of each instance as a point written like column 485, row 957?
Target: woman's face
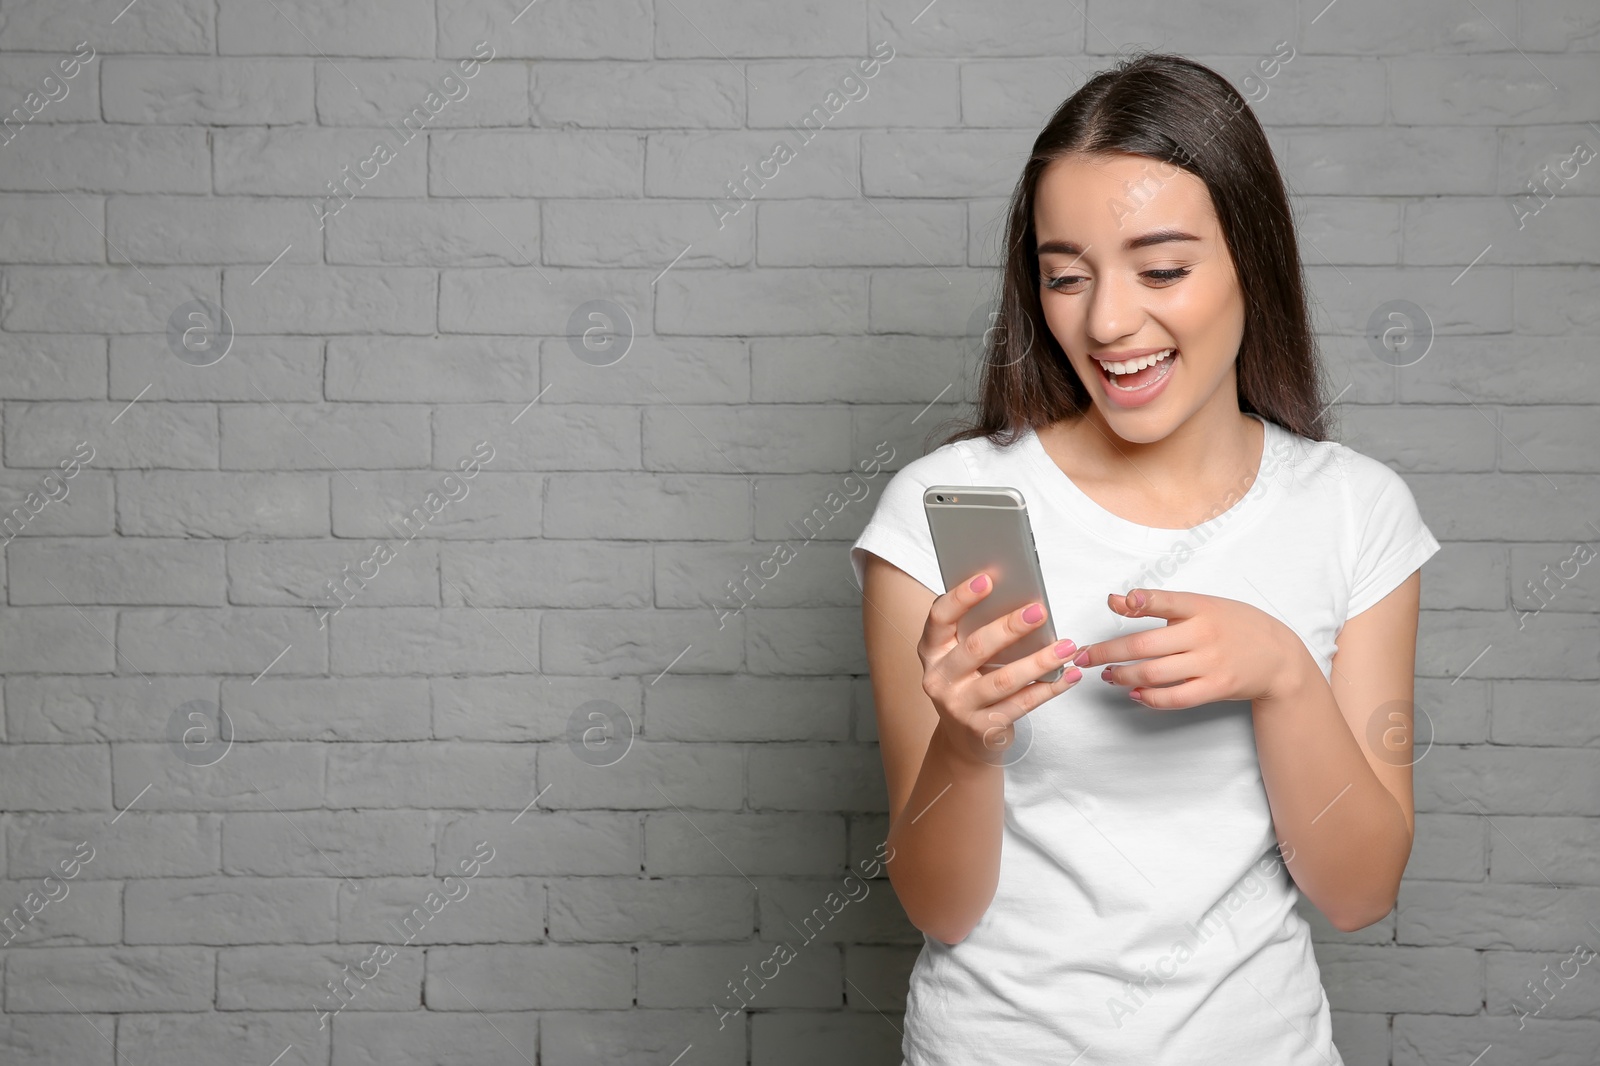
column 1175, row 289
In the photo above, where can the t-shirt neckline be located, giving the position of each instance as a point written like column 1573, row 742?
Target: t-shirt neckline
column 1121, row 532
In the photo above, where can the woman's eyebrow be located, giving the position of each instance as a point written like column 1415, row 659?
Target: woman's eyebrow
column 1144, row 240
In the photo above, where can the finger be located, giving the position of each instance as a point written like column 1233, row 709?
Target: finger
column 996, row 721
column 984, row 642
column 949, row 608
column 1163, row 670
column 1145, row 644
column 1200, row 691
column 1156, row 603
column 1029, row 697
column 997, row 685
column 1044, row 691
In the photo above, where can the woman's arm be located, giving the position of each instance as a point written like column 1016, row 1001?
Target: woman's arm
column 1341, row 803
column 946, row 790
column 945, row 806
column 1336, row 761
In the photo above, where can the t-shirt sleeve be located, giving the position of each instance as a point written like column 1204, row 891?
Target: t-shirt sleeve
column 898, row 532
column 1394, row 541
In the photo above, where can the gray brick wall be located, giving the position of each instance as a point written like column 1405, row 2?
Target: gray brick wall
column 282, row 748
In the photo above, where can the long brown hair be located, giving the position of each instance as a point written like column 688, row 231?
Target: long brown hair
column 1182, row 113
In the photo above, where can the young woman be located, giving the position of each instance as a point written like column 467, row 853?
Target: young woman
column 1107, row 873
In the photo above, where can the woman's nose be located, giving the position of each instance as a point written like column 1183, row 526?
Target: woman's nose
column 1113, row 311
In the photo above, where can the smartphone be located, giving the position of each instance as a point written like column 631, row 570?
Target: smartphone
column 985, row 527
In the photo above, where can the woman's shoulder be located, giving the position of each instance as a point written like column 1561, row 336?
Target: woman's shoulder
column 1338, row 473
column 898, row 528
column 970, row 460
column 1366, row 474
column 1317, row 462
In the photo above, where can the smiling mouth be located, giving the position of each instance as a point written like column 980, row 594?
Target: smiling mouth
column 1136, row 374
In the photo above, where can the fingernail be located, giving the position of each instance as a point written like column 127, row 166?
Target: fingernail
column 1135, row 694
column 1105, row 675
column 1136, row 599
column 1082, row 658
column 979, row 583
column 1065, row 648
column 1033, row 613
column 1073, row 674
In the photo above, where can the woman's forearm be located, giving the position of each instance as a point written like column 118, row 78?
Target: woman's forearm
column 946, row 842
column 1347, row 836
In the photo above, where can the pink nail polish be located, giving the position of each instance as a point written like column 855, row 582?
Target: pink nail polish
column 1081, row 658
column 979, row 583
column 1065, row 648
column 1033, row 614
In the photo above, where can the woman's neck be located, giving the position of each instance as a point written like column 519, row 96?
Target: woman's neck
column 1166, row 482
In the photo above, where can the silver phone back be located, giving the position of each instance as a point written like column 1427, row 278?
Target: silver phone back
column 986, row 528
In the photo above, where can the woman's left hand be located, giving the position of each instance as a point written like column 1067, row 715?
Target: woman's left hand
column 1211, row 649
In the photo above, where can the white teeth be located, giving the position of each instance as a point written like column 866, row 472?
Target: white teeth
column 1138, row 364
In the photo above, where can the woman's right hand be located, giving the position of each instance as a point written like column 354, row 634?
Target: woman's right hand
column 979, row 710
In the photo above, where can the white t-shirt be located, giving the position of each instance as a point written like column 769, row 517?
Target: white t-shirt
column 1138, row 844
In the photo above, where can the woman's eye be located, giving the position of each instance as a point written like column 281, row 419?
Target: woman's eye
column 1163, row 275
